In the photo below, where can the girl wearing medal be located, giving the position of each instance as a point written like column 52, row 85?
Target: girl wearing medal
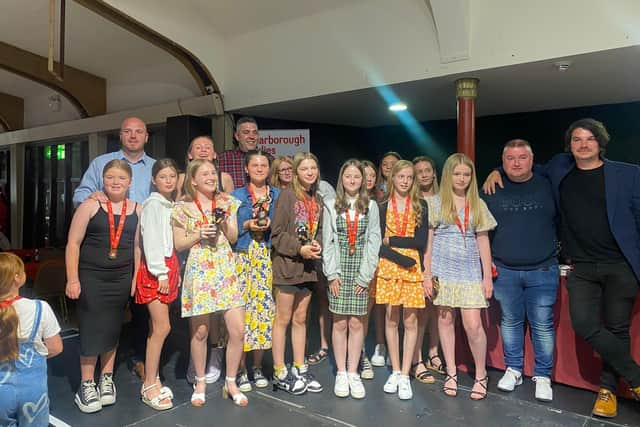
column 404, row 225
column 205, row 224
column 201, row 147
column 101, row 255
column 254, row 260
column 351, row 243
column 295, row 252
column 460, row 256
column 158, row 276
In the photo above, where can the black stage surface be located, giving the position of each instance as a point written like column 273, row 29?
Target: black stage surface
column 571, row 407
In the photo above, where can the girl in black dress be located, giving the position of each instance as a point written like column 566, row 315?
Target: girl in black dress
column 101, row 253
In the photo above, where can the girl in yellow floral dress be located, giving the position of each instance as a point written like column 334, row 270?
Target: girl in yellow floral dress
column 404, row 225
column 206, row 225
column 254, row 257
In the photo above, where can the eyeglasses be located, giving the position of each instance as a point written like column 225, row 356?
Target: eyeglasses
column 286, row 170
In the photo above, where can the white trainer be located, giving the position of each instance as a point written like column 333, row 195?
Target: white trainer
column 214, row 365
column 355, row 386
column 379, row 355
column 544, row 392
column 391, row 386
column 341, row 388
column 404, row 388
column 510, row 380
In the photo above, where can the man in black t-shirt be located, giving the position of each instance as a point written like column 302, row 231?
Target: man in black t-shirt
column 524, row 247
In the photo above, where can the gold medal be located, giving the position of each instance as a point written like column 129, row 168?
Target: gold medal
column 352, row 250
column 113, row 253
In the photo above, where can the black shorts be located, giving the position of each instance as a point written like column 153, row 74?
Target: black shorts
column 293, row 289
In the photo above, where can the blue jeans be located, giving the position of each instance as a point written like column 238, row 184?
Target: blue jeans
column 528, row 294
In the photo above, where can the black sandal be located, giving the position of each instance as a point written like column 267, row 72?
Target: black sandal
column 318, row 356
column 439, row 368
column 424, row 377
column 450, row 391
column 484, row 382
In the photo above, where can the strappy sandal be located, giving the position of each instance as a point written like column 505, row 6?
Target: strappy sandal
column 424, row 377
column 198, row 399
column 318, row 356
column 155, row 402
column 450, row 391
column 239, row 398
column 436, row 367
column 484, row 382
column 165, row 391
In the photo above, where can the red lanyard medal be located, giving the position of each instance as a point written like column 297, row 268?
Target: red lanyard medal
column 199, row 206
column 463, row 229
column 114, row 235
column 311, row 208
column 352, row 230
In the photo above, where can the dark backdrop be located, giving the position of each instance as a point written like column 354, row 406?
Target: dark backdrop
column 544, row 129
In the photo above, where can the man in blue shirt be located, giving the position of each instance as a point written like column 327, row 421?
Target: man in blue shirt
column 133, row 137
column 524, row 249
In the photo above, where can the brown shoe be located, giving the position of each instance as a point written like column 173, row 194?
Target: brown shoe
column 606, row 404
column 138, row 370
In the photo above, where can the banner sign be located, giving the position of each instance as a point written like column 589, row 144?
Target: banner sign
column 284, row 142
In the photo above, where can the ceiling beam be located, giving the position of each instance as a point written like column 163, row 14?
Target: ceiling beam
column 11, row 112
column 196, row 68
column 87, row 92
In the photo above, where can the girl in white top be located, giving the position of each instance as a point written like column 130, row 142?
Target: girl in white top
column 158, row 277
column 29, row 333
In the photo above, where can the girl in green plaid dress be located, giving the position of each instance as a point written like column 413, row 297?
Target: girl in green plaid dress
column 351, row 243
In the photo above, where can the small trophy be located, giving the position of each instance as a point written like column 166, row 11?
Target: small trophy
column 261, row 209
column 303, row 234
column 219, row 215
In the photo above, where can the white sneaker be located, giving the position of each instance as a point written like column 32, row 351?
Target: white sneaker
column 214, row 364
column 341, row 388
column 379, row 355
column 510, row 380
column 404, row 388
column 355, row 386
column 391, row 386
column 543, row 389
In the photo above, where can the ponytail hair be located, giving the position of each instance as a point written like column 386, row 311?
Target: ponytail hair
column 10, row 266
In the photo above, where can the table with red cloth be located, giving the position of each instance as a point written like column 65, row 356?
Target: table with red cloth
column 575, row 362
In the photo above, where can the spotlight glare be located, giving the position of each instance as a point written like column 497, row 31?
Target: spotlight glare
column 397, row 107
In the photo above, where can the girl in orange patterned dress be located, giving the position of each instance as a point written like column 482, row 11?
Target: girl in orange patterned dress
column 404, row 225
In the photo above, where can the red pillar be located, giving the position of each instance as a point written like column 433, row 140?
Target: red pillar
column 466, row 92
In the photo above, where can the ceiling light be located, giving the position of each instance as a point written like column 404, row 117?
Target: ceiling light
column 397, row 107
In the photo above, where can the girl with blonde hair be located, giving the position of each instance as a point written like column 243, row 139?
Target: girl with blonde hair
column 404, row 225
column 460, row 256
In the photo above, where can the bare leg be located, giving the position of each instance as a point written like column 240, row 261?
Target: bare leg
column 339, row 340
column 199, row 333
column 355, row 341
column 324, row 316
column 422, row 325
column 410, row 321
column 284, row 309
column 393, row 342
column 88, row 367
column 477, row 338
column 107, row 360
column 159, row 328
column 446, row 328
column 234, row 319
column 299, row 326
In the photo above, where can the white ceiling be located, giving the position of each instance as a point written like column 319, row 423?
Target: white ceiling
column 131, row 66
column 605, row 77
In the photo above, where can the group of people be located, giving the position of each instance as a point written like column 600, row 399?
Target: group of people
column 258, row 237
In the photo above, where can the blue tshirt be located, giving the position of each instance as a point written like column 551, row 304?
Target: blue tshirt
column 525, row 238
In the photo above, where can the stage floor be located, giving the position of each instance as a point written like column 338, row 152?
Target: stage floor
column 571, row 407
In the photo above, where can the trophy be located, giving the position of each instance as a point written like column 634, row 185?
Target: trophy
column 261, row 211
column 303, row 234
